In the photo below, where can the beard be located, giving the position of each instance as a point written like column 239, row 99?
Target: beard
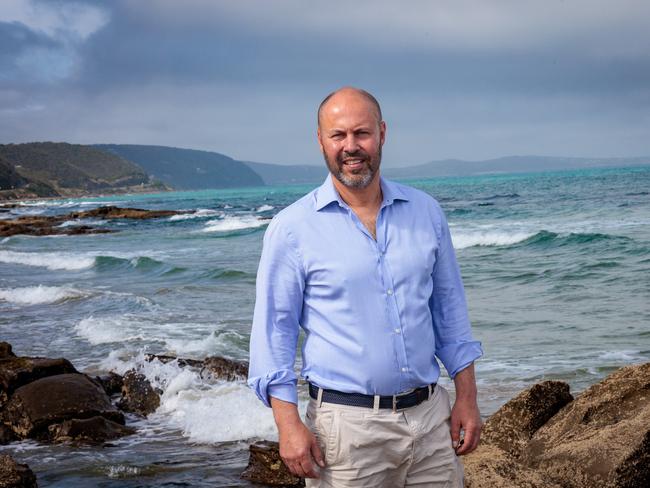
column 359, row 178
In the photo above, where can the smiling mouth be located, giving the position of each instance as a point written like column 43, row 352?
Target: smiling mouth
column 353, row 162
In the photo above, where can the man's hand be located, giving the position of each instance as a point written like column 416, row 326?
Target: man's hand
column 299, row 448
column 465, row 414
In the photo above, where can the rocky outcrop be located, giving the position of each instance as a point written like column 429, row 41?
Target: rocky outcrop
column 512, row 426
column 216, row 367
column 138, row 396
column 112, row 212
column 602, row 438
column 41, row 225
column 91, row 430
column 164, row 358
column 34, row 407
column 49, row 400
column 225, row 369
column 266, row 467
column 44, row 226
column 15, row 475
column 6, row 435
column 18, row 371
column 111, row 383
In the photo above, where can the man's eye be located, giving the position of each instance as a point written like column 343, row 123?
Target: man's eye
column 337, row 136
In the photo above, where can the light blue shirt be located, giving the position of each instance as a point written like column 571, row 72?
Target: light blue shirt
column 376, row 313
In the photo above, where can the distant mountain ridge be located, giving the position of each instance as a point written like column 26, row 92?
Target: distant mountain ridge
column 187, row 169
column 42, row 169
column 508, row 164
column 62, row 169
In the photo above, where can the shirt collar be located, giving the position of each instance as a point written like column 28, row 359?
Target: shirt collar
column 327, row 193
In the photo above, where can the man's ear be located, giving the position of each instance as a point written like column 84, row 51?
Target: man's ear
column 320, row 143
column 382, row 132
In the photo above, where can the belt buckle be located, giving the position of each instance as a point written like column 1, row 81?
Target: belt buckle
column 395, row 398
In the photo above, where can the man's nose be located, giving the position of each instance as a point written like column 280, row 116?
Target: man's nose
column 350, row 144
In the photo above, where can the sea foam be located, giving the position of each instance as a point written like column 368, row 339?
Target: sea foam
column 230, row 223
column 216, row 342
column 198, row 214
column 206, row 412
column 464, row 239
column 38, row 295
column 104, row 330
column 49, row 260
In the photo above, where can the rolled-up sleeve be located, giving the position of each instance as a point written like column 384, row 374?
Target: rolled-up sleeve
column 455, row 346
column 278, row 306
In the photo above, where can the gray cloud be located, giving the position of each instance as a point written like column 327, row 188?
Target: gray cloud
column 465, row 79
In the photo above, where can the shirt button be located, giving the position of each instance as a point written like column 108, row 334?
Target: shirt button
column 404, row 370
column 390, row 292
column 397, row 331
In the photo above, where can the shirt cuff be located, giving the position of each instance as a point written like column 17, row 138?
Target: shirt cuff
column 288, row 393
column 456, row 357
column 281, row 384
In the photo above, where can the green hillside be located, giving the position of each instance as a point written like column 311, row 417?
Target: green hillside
column 187, row 169
column 72, row 169
column 9, row 179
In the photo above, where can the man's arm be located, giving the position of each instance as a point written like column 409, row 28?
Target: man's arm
column 298, row 445
column 465, row 414
column 455, row 346
column 274, row 335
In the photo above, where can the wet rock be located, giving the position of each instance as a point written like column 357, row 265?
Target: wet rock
column 266, row 467
column 112, row 212
column 512, row 426
column 41, row 225
column 138, row 396
column 54, row 399
column 6, row 435
column 15, row 475
column 225, row 369
column 491, row 467
column 602, row 438
column 111, row 383
column 44, row 226
column 215, row 366
column 5, row 350
column 163, row 358
column 92, row 430
column 18, row 371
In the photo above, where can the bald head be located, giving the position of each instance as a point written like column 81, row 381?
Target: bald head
column 347, row 92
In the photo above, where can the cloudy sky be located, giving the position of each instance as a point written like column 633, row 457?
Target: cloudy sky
column 470, row 79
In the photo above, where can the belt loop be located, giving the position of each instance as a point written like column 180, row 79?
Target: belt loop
column 429, row 397
column 375, row 407
column 319, row 399
column 394, row 403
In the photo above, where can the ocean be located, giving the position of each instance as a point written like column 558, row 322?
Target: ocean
column 556, row 268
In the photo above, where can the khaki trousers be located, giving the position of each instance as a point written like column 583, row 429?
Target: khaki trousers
column 381, row 448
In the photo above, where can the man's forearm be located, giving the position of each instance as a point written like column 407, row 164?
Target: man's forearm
column 285, row 413
column 465, row 383
column 298, row 446
column 465, row 415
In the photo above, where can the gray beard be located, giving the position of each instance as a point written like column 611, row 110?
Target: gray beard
column 358, row 181
column 361, row 181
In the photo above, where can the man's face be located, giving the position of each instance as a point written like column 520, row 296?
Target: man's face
column 351, row 135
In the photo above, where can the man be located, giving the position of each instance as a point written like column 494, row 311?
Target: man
column 366, row 267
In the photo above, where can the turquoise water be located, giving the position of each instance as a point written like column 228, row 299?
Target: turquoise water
column 556, row 268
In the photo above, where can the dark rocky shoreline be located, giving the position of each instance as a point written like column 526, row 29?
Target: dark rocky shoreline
column 50, row 225
column 542, row 438
column 48, row 400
